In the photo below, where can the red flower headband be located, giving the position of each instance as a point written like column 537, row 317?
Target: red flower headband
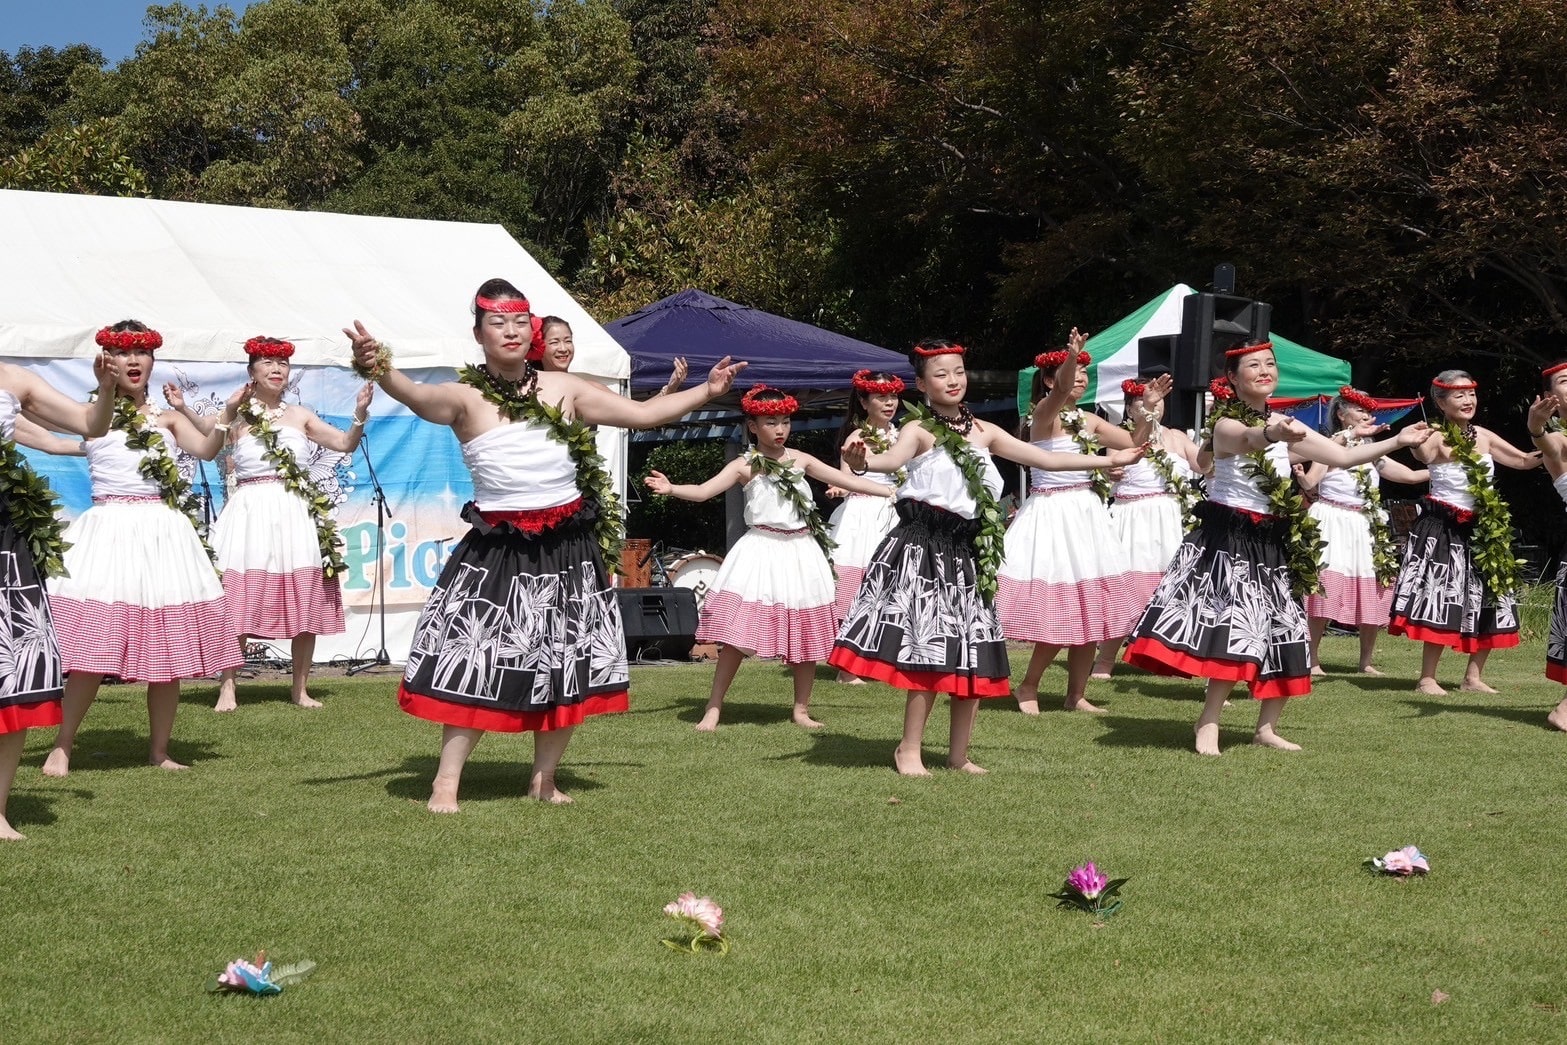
column 1246, row 350
column 767, row 407
column 127, row 340
column 483, row 304
column 944, row 350
column 1221, row 389
column 269, row 348
column 863, row 383
column 1558, row 368
column 1051, row 360
column 1132, row 387
column 1355, row 397
column 1459, row 386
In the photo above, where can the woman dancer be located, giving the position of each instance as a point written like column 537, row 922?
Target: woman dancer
column 1359, row 560
column 1455, row 585
column 522, row 631
column 31, row 686
column 922, row 620
column 1545, row 428
column 1063, row 582
column 1228, row 609
column 554, row 349
column 862, row 520
column 1151, row 508
column 142, row 600
column 773, row 597
column 280, row 558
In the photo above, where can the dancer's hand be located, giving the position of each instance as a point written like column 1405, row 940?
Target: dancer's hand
column 722, row 377
column 364, row 344
column 835, row 492
column 1367, row 429
column 658, row 482
column 362, row 400
column 1154, row 392
column 1075, row 342
column 1415, row 434
column 173, row 396
column 1289, row 430
column 678, row 377
column 853, row 452
column 235, row 400
column 1122, row 458
column 1542, row 410
column 106, row 368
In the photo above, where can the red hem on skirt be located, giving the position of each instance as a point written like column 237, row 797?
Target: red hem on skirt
column 1401, row 625
column 1154, row 656
column 959, row 687
column 497, row 720
column 1556, row 672
column 16, row 717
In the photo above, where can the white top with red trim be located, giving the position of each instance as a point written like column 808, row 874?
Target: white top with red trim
column 934, row 478
column 1233, row 485
column 517, row 467
column 1450, row 485
column 1141, row 478
column 1340, row 486
column 115, row 469
column 1041, row 479
column 9, row 408
column 765, row 504
column 249, row 455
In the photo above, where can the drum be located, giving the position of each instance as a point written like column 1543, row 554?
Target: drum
column 695, row 571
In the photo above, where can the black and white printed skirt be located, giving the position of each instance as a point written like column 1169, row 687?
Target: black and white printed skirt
column 31, row 680
column 1440, row 596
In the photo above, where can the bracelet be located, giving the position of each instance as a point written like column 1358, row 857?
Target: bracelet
column 1536, row 435
column 359, row 422
column 221, row 426
column 1265, row 434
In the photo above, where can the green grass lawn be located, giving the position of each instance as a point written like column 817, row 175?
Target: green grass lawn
column 862, row 906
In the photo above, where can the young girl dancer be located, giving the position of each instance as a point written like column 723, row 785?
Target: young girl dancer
column 922, row 620
column 1228, row 609
column 1063, row 581
column 142, row 600
column 280, row 558
column 1151, row 509
column 1359, row 561
column 773, row 597
column 1545, row 428
column 522, row 631
column 1455, row 585
column 31, row 684
column 862, row 520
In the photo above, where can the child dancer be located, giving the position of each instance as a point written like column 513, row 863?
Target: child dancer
column 1545, row 428
column 773, row 597
column 1228, row 609
column 922, row 620
column 860, row 523
column 1359, row 561
column 1444, row 596
column 1063, row 581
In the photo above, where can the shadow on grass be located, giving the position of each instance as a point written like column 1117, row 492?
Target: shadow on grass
column 29, row 808
column 1523, row 716
column 843, row 751
column 1172, row 734
column 482, row 781
column 205, row 694
column 737, row 713
column 97, row 749
column 1366, row 683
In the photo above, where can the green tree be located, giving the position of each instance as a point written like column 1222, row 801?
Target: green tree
column 87, row 158
column 34, row 85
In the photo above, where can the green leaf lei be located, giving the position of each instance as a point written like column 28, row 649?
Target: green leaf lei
column 989, row 546
column 1384, row 555
column 1303, row 544
column 1493, row 526
column 593, row 480
column 783, row 476
column 879, row 441
column 1181, row 489
column 297, row 481
column 34, row 510
column 158, row 466
column 1072, row 421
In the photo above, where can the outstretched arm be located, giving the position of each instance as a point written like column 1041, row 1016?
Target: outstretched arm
column 1398, row 472
column 597, row 405
column 37, row 437
column 43, row 403
column 1014, row 449
column 206, row 445
column 442, row 403
column 1509, row 456
column 913, row 440
column 176, row 400
column 1313, row 447
column 323, row 434
column 825, row 473
column 731, row 474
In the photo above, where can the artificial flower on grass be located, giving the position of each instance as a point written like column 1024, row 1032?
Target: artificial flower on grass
column 1090, row 890
column 703, row 918
column 1401, row 862
column 259, row 976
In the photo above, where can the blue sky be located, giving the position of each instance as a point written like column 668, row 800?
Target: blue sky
column 112, row 26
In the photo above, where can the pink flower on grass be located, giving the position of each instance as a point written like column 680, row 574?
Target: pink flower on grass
column 705, row 916
column 1406, row 861
column 1088, row 880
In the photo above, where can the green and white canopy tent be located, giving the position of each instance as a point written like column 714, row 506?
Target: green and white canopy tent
column 1302, row 371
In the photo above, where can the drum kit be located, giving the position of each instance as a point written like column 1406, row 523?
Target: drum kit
column 645, row 564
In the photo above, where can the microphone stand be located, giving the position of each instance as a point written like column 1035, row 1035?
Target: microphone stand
column 382, row 513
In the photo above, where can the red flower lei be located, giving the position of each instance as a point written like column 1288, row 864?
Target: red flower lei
column 767, row 407
column 862, row 383
column 1355, row 397
column 129, row 340
column 1132, row 387
column 269, row 348
column 1051, row 360
column 1221, row 389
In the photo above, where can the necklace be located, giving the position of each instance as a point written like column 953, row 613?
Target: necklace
column 963, row 424
column 514, row 392
column 272, row 415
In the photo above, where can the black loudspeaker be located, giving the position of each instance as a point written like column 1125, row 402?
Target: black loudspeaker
column 660, row 622
column 1210, row 325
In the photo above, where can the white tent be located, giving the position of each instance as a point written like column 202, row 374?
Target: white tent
column 209, row 277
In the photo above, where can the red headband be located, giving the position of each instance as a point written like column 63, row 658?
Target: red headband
column 863, row 383
column 483, row 304
column 1132, row 387
column 1051, row 360
column 1246, row 350
column 269, row 348
column 1221, row 389
column 1355, row 397
column 1459, row 387
column 767, row 407
column 127, row 340
column 945, row 350
column 1558, row 368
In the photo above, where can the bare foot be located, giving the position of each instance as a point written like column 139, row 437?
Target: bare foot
column 166, row 763
column 1081, row 704
column 305, row 700
column 1028, row 701
column 443, row 797
column 849, row 680
column 58, row 763
column 9, row 833
column 1558, row 717
column 1475, row 686
column 551, row 794
column 803, row 719
column 969, row 767
column 709, row 723
column 1430, row 688
column 1317, row 672
column 1101, row 672
column 1367, row 669
column 226, row 700
column 1267, row 738
column 908, row 765
column 1208, row 738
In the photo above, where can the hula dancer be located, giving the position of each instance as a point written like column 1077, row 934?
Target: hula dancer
column 1545, row 428
column 922, row 620
column 1456, row 584
column 276, row 541
column 1229, row 609
column 1359, row 560
column 142, row 600
column 522, row 631
column 1151, row 508
column 773, row 597
column 1063, row 583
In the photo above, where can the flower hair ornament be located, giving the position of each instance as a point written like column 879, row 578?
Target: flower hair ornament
column 129, row 340
column 863, row 384
column 753, row 407
column 1221, row 389
column 268, row 348
column 1051, row 360
column 943, row 350
column 1355, row 397
column 1246, row 350
column 1133, row 387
